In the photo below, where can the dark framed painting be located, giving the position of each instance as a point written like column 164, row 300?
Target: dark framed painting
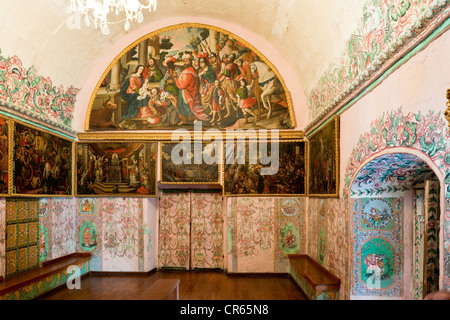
column 190, row 76
column 265, row 168
column 115, row 168
column 41, row 162
column 323, row 160
column 190, row 162
column 4, row 156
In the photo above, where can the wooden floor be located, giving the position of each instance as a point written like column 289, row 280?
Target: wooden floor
column 194, row 285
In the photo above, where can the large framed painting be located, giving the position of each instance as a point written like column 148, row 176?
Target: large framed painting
column 323, row 160
column 4, row 156
column 190, row 162
column 41, row 162
column 190, row 76
column 115, row 168
column 265, row 168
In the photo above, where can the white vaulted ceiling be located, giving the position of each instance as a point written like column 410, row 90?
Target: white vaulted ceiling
column 306, row 34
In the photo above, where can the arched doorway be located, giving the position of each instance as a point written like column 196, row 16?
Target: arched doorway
column 396, row 198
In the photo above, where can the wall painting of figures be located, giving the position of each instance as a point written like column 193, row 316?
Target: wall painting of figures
column 265, row 168
column 190, row 72
column 4, row 125
column 323, row 161
column 116, row 169
column 41, row 162
column 190, row 162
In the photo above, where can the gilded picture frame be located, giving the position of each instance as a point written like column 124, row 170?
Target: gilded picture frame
column 291, row 170
column 190, row 168
column 5, row 133
column 41, row 162
column 116, row 169
column 323, row 151
column 114, row 106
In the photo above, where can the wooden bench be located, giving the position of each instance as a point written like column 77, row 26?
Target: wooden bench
column 163, row 289
column 51, row 275
column 315, row 281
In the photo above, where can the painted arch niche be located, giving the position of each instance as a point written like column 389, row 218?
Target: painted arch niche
column 392, row 196
column 190, row 74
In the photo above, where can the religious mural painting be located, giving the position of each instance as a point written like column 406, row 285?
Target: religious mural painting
column 42, row 163
column 190, row 163
column 116, row 169
column 174, row 77
column 265, row 168
column 378, row 247
column 323, row 160
column 4, row 125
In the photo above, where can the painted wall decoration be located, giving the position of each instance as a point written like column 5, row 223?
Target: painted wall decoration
column 22, row 90
column 290, row 230
column 327, row 223
column 262, row 230
column 390, row 173
column 378, row 256
column 122, row 246
column 2, row 236
column 22, row 235
column 4, row 157
column 283, row 163
column 57, row 227
column 42, row 163
column 190, row 162
column 376, row 214
column 185, row 73
column 423, row 132
column 206, row 231
column 432, row 268
column 387, row 31
column 116, row 169
column 323, row 160
column 174, row 230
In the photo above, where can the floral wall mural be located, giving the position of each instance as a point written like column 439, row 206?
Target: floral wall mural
column 386, row 31
column 263, row 231
column 24, row 92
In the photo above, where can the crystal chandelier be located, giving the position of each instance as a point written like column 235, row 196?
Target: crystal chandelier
column 99, row 10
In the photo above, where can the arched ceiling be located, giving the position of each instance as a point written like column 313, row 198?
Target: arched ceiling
column 308, row 35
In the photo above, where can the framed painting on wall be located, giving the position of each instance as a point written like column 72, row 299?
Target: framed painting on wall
column 259, row 168
column 185, row 74
column 115, row 168
column 323, row 160
column 4, row 155
column 190, row 162
column 41, row 162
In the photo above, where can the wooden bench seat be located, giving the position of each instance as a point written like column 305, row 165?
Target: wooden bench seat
column 316, row 281
column 52, row 274
column 163, row 289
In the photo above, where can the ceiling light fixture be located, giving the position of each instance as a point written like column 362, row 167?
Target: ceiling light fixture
column 99, row 10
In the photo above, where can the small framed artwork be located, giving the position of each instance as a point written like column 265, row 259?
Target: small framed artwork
column 41, row 162
column 323, row 161
column 115, row 168
column 4, row 156
column 190, row 162
column 265, row 168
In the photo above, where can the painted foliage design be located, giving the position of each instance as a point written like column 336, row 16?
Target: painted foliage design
column 289, row 230
column 57, row 222
column 3, row 156
column 174, row 230
column 426, row 133
column 389, row 173
column 190, row 73
column 122, row 234
column 386, row 30
column 378, row 250
column 206, row 231
column 25, row 91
